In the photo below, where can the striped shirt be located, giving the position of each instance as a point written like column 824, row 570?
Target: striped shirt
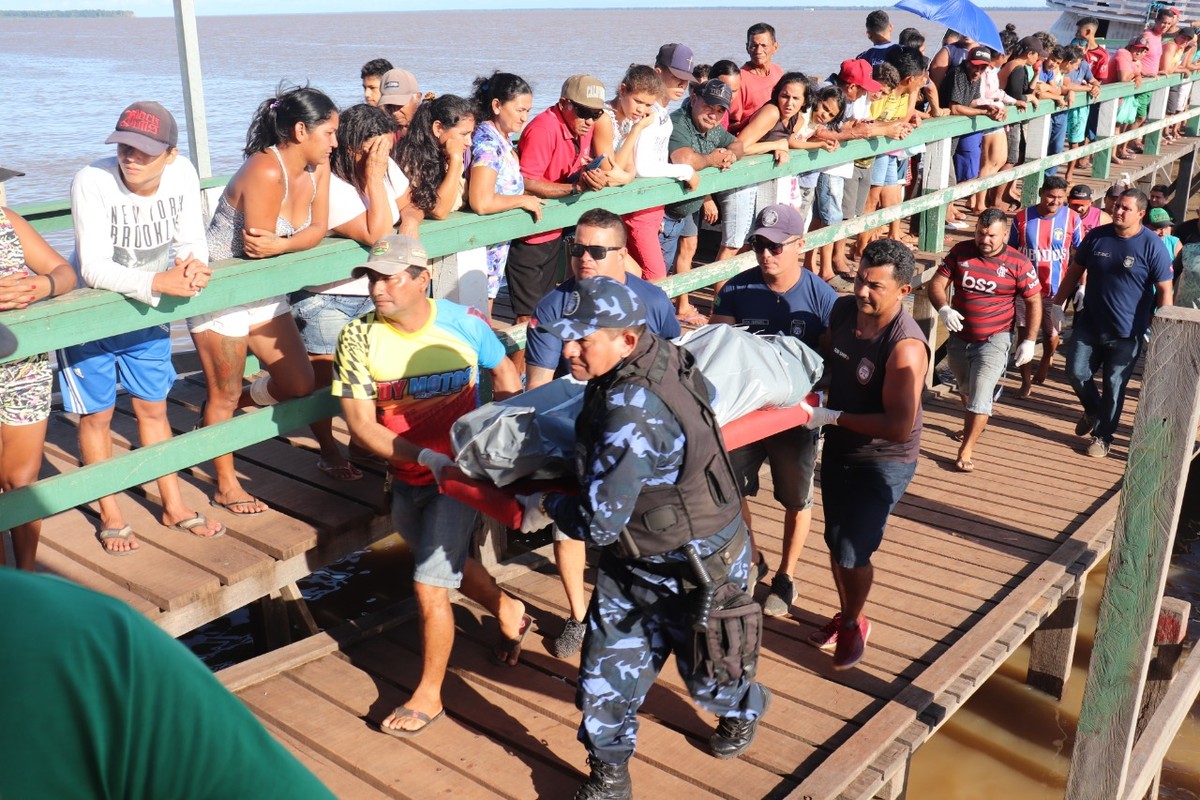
column 984, row 288
column 1047, row 242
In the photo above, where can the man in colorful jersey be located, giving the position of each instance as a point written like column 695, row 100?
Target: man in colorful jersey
column 659, row 498
column 987, row 276
column 1046, row 234
column 405, row 372
column 876, row 359
column 1127, row 270
column 780, row 296
column 598, row 248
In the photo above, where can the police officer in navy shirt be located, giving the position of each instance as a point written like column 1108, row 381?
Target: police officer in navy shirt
column 598, row 248
column 779, row 296
column 659, row 499
column 1128, row 271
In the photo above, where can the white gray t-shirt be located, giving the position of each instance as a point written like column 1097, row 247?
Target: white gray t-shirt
column 346, row 203
column 859, row 109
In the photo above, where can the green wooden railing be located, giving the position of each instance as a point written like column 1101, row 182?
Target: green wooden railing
column 88, row 314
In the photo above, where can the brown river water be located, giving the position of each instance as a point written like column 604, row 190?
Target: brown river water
column 1009, row 741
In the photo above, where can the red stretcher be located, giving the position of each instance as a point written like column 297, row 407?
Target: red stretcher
column 501, row 503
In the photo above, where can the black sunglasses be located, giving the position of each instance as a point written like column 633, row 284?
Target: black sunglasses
column 598, row 252
column 583, row 112
column 760, row 244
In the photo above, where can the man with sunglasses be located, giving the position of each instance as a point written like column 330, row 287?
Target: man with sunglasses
column 555, row 151
column 404, row 373
column 778, row 297
column 596, row 250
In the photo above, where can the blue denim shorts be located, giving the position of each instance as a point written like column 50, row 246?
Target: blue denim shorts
column 858, row 498
column 830, row 189
column 884, row 172
column 438, row 530
column 737, row 214
column 321, row 317
column 978, row 367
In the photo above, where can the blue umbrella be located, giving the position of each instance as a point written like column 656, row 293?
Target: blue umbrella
column 958, row 15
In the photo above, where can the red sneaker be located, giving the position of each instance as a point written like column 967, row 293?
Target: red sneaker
column 826, row 638
column 851, row 645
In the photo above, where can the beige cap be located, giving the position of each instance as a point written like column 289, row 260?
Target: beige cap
column 392, row 254
column 397, row 87
column 584, row 90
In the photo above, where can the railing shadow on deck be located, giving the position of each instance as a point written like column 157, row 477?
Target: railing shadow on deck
column 85, row 315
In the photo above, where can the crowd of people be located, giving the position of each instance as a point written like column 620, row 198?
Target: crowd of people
column 660, row 495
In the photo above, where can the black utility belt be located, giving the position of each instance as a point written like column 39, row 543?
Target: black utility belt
column 717, row 563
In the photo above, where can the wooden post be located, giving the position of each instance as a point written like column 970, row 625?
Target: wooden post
column 1164, row 431
column 926, row 316
column 297, row 609
column 462, row 277
column 897, row 786
column 1106, row 125
column 1158, row 109
column 1052, row 646
column 1187, row 291
column 1037, row 142
column 1192, row 126
column 937, row 178
column 193, row 89
column 1168, row 644
column 1183, row 184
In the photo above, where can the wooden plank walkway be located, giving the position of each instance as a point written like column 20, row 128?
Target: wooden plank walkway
column 183, row 581
column 966, row 557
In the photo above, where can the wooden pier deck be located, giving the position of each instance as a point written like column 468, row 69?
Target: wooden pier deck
column 970, row 565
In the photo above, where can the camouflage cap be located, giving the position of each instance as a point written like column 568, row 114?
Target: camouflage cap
column 598, row 303
column 393, row 253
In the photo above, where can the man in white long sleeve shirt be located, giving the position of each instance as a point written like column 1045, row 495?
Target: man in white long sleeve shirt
column 139, row 231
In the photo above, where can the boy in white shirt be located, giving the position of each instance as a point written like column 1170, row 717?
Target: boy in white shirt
column 139, row 231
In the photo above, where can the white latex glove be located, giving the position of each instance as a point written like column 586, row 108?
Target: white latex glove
column 435, row 462
column 951, row 319
column 1024, row 353
column 1057, row 315
column 532, row 517
column 819, row 416
column 1079, row 293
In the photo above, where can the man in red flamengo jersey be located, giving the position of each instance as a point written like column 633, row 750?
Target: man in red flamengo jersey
column 987, row 276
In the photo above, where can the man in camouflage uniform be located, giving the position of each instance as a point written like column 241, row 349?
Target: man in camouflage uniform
column 657, row 486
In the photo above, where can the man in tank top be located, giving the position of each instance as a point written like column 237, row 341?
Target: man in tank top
column 876, row 358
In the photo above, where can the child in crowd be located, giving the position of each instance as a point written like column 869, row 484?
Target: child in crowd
column 277, row 202
column 1077, row 118
column 139, row 230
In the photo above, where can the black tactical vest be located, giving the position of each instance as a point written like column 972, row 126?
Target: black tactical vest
column 705, row 499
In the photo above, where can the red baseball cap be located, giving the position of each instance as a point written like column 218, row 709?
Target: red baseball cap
column 857, row 72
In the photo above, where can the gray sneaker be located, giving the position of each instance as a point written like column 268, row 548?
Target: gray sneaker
column 568, row 642
column 1098, row 448
column 1085, row 425
column 779, row 601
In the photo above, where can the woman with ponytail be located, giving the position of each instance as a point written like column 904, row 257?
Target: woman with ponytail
column 277, row 202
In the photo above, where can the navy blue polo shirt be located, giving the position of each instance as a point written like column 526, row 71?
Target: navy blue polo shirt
column 1121, row 274
column 802, row 311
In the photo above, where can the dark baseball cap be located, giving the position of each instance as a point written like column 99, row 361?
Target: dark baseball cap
column 392, row 254
column 980, row 56
column 1031, row 44
column 598, row 303
column 1080, row 191
column 778, row 223
column 678, row 59
column 146, row 126
column 716, row 92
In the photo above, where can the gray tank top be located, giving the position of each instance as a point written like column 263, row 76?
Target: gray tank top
column 225, row 235
column 856, row 369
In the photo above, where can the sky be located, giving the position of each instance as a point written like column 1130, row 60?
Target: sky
column 165, row 8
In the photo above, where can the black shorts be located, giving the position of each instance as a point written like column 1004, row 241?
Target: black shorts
column 531, row 272
column 792, row 455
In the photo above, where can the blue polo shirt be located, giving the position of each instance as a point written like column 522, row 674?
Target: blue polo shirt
column 802, row 311
column 544, row 349
column 1121, row 274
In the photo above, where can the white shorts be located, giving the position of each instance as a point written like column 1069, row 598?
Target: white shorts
column 237, row 321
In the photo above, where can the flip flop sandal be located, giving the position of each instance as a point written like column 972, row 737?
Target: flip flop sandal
column 230, row 507
column 347, row 472
column 190, row 525
column 105, row 535
column 511, row 647
column 404, row 712
column 964, row 466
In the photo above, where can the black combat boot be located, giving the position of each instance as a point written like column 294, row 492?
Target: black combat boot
column 734, row 736
column 607, row 782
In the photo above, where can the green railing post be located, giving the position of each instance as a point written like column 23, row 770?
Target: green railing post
column 1106, row 126
column 1192, row 126
column 1152, row 144
column 937, row 179
column 1037, row 143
